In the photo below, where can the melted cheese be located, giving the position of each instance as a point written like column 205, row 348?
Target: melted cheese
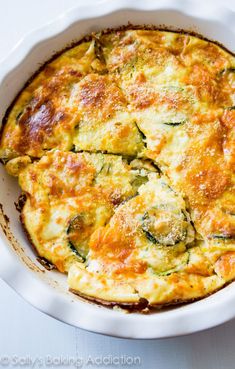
column 64, row 185
column 152, row 98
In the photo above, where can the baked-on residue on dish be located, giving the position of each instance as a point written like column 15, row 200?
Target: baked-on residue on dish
column 124, row 146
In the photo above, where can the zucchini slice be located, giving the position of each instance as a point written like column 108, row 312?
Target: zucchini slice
column 106, row 169
column 99, row 50
column 77, row 232
column 227, row 70
column 165, row 225
column 142, row 135
column 141, row 177
column 174, row 124
column 230, row 108
column 183, row 261
column 75, row 251
column 223, row 236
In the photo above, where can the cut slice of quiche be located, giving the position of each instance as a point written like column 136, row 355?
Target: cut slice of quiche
column 69, row 196
column 148, row 251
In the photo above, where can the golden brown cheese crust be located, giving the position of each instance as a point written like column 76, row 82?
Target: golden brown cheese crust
column 154, row 95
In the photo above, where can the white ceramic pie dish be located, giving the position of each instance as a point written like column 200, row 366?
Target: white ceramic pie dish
column 47, row 290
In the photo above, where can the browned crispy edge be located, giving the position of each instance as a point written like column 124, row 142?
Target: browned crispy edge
column 86, row 38
column 133, row 306
column 143, row 305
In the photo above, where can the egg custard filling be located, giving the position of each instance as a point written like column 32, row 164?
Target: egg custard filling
column 124, row 148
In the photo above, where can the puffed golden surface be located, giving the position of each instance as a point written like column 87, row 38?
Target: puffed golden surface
column 124, row 146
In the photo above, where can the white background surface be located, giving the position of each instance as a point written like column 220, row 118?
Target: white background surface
column 26, row 333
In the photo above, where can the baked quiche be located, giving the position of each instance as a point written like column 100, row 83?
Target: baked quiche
column 124, row 148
